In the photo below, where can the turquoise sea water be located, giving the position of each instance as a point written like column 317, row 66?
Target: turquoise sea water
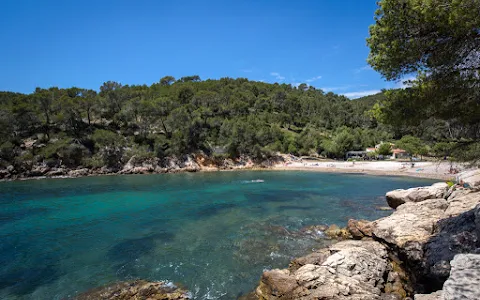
column 213, row 232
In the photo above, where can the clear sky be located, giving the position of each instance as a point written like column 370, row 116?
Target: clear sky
column 84, row 43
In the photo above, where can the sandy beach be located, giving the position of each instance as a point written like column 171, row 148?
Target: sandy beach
column 436, row 170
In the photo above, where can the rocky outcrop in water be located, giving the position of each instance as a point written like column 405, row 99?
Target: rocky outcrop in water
column 411, row 251
column 136, row 290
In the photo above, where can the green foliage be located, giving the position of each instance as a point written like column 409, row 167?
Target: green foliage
column 54, row 149
column 173, row 118
column 437, row 41
column 385, row 149
column 103, row 137
column 412, row 145
column 7, row 151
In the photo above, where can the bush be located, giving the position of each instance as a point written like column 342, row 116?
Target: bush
column 7, row 151
column 141, row 153
column 106, row 138
column 73, row 155
column 94, row 162
column 385, row 149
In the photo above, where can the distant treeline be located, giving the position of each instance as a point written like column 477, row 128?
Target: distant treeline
column 226, row 117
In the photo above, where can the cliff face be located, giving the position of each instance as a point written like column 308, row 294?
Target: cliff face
column 414, row 250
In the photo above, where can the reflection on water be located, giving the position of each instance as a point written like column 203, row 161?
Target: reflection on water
column 212, row 232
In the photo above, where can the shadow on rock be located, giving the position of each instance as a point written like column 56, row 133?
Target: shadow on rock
column 454, row 235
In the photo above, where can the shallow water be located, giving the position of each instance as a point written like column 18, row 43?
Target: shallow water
column 213, row 232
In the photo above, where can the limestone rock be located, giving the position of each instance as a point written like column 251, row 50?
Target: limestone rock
column 277, row 284
column 429, row 234
column 315, row 258
column 464, row 280
column 354, row 270
column 136, row 290
column 359, row 228
column 470, row 178
column 4, row 173
column 438, row 295
column 398, row 197
column 56, row 172
column 457, row 191
column 411, row 223
column 335, row 232
column 462, row 203
column 79, row 172
column 39, row 171
column 452, row 236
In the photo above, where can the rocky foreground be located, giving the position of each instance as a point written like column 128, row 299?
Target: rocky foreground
column 429, row 248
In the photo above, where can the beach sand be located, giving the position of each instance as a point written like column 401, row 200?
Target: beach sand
column 435, row 170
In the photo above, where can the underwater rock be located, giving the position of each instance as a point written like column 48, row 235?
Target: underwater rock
column 335, row 232
column 136, row 290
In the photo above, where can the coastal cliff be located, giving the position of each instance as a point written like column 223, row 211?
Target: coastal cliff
column 137, row 165
column 429, row 242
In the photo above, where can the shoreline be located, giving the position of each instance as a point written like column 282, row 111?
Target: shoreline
column 443, row 177
column 320, row 169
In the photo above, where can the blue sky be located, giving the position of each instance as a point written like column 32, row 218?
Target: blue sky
column 84, row 43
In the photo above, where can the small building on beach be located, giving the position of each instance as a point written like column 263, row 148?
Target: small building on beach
column 398, row 153
column 355, row 154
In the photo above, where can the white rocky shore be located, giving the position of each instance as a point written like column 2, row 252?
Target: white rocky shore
column 429, row 248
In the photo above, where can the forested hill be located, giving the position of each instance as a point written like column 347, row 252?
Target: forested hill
column 229, row 117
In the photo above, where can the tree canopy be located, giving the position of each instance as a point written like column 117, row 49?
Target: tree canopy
column 437, row 42
column 177, row 117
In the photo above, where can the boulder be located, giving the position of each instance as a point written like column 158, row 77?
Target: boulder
column 451, row 236
column 469, row 179
column 462, row 203
column 428, row 234
column 137, row 289
column 79, row 172
column 359, row 228
column 353, row 270
column 39, row 171
column 278, row 284
column 438, row 295
column 464, row 280
column 411, row 225
column 56, row 172
column 396, row 198
column 315, row 258
column 456, row 192
column 335, row 232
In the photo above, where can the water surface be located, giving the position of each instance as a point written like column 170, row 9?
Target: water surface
column 213, row 232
